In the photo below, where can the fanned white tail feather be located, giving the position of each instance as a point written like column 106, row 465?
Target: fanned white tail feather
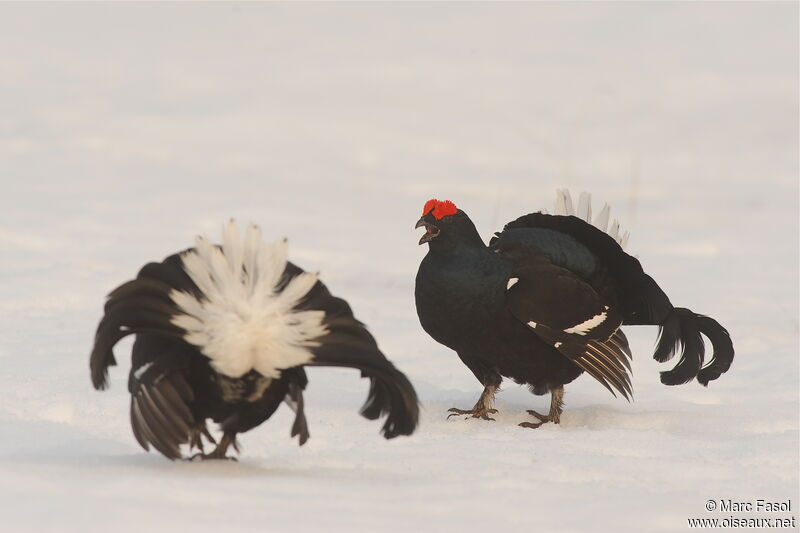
column 564, row 207
column 242, row 322
column 585, row 207
column 601, row 220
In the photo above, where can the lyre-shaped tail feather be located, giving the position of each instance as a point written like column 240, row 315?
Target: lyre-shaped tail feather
column 681, row 333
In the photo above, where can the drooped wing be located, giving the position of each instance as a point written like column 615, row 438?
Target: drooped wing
column 142, row 305
column 349, row 344
column 160, row 412
column 569, row 314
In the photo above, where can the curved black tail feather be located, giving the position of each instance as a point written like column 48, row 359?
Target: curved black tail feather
column 680, row 333
column 723, row 349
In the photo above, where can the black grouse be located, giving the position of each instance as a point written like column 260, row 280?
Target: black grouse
column 544, row 302
column 224, row 332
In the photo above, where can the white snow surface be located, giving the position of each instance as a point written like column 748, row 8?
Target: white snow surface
column 127, row 129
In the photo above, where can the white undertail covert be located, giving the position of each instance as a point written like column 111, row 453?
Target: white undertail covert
column 243, row 322
column 564, row 207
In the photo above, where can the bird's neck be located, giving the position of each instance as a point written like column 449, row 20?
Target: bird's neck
column 465, row 239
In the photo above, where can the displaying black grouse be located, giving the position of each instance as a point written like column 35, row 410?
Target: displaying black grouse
column 544, row 302
column 223, row 332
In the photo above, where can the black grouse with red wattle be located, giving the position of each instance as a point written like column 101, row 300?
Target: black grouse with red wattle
column 545, row 302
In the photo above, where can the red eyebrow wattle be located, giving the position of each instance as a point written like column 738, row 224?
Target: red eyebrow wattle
column 439, row 209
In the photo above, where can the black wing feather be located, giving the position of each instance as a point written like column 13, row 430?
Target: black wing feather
column 639, row 298
column 537, row 300
column 606, row 361
column 572, row 243
column 138, row 306
column 349, row 344
column 294, row 398
column 160, row 415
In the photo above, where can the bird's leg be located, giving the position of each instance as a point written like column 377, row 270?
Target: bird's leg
column 556, row 408
column 221, row 449
column 482, row 407
column 196, row 435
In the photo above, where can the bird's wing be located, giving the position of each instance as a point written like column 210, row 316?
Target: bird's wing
column 160, row 414
column 591, row 249
column 142, row 305
column 349, row 344
column 588, row 248
column 565, row 311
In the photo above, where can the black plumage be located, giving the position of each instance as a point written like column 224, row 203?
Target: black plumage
column 176, row 385
column 545, row 302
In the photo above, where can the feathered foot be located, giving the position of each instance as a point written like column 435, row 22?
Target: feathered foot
column 221, row 449
column 556, row 408
column 481, row 409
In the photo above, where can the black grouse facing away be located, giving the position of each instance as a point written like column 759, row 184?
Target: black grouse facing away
column 544, row 302
column 224, row 332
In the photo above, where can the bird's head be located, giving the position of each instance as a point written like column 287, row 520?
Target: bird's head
column 445, row 223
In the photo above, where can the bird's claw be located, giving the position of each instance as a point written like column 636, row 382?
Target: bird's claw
column 212, row 455
column 483, row 414
column 531, row 425
column 196, row 435
column 220, row 451
column 543, row 419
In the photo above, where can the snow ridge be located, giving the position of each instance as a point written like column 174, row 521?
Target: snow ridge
column 243, row 322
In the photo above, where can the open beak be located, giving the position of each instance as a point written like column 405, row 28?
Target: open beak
column 431, row 231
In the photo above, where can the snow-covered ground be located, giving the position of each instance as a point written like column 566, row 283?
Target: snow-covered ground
column 127, row 129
